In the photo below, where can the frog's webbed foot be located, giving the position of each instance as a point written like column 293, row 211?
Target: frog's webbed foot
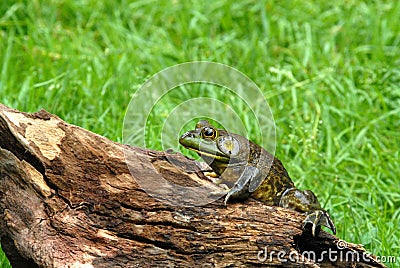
column 317, row 219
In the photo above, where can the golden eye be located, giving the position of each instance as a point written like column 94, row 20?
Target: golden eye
column 209, row 132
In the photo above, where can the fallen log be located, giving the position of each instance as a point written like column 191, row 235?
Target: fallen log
column 71, row 198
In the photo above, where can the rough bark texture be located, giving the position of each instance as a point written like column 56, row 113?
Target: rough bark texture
column 68, row 199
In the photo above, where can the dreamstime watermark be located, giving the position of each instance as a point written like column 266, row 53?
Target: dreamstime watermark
column 170, row 103
column 333, row 255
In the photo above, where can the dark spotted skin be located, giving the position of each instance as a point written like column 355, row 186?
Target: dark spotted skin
column 274, row 185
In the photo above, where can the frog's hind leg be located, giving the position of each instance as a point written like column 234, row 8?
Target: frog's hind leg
column 305, row 201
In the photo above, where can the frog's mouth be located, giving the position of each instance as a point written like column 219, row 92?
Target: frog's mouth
column 211, row 155
column 204, row 147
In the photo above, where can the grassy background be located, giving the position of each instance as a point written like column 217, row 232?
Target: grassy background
column 330, row 71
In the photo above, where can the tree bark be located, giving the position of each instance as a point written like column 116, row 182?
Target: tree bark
column 70, row 198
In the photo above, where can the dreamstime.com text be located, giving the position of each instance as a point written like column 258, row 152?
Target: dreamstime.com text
column 330, row 254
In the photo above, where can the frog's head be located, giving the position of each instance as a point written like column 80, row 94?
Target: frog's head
column 216, row 146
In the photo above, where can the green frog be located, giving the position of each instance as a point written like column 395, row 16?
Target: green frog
column 248, row 170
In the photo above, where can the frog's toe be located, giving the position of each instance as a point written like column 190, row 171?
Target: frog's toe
column 317, row 219
column 222, row 185
column 218, row 193
column 229, row 194
column 211, row 175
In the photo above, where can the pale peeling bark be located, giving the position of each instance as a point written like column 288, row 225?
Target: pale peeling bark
column 68, row 199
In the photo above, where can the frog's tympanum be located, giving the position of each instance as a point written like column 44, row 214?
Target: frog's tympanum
column 250, row 171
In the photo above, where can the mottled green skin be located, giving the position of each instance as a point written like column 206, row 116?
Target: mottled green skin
column 250, row 171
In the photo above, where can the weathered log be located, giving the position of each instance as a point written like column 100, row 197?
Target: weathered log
column 69, row 198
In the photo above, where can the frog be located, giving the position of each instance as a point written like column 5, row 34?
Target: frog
column 249, row 171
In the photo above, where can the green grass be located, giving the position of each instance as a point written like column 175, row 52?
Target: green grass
column 330, row 71
column 3, row 259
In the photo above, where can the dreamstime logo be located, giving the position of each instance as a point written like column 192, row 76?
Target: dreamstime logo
column 173, row 100
column 341, row 244
column 331, row 255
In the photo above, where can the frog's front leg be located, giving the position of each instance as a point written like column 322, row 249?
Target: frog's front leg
column 240, row 190
column 306, row 201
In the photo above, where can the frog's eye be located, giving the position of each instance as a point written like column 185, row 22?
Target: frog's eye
column 209, row 133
